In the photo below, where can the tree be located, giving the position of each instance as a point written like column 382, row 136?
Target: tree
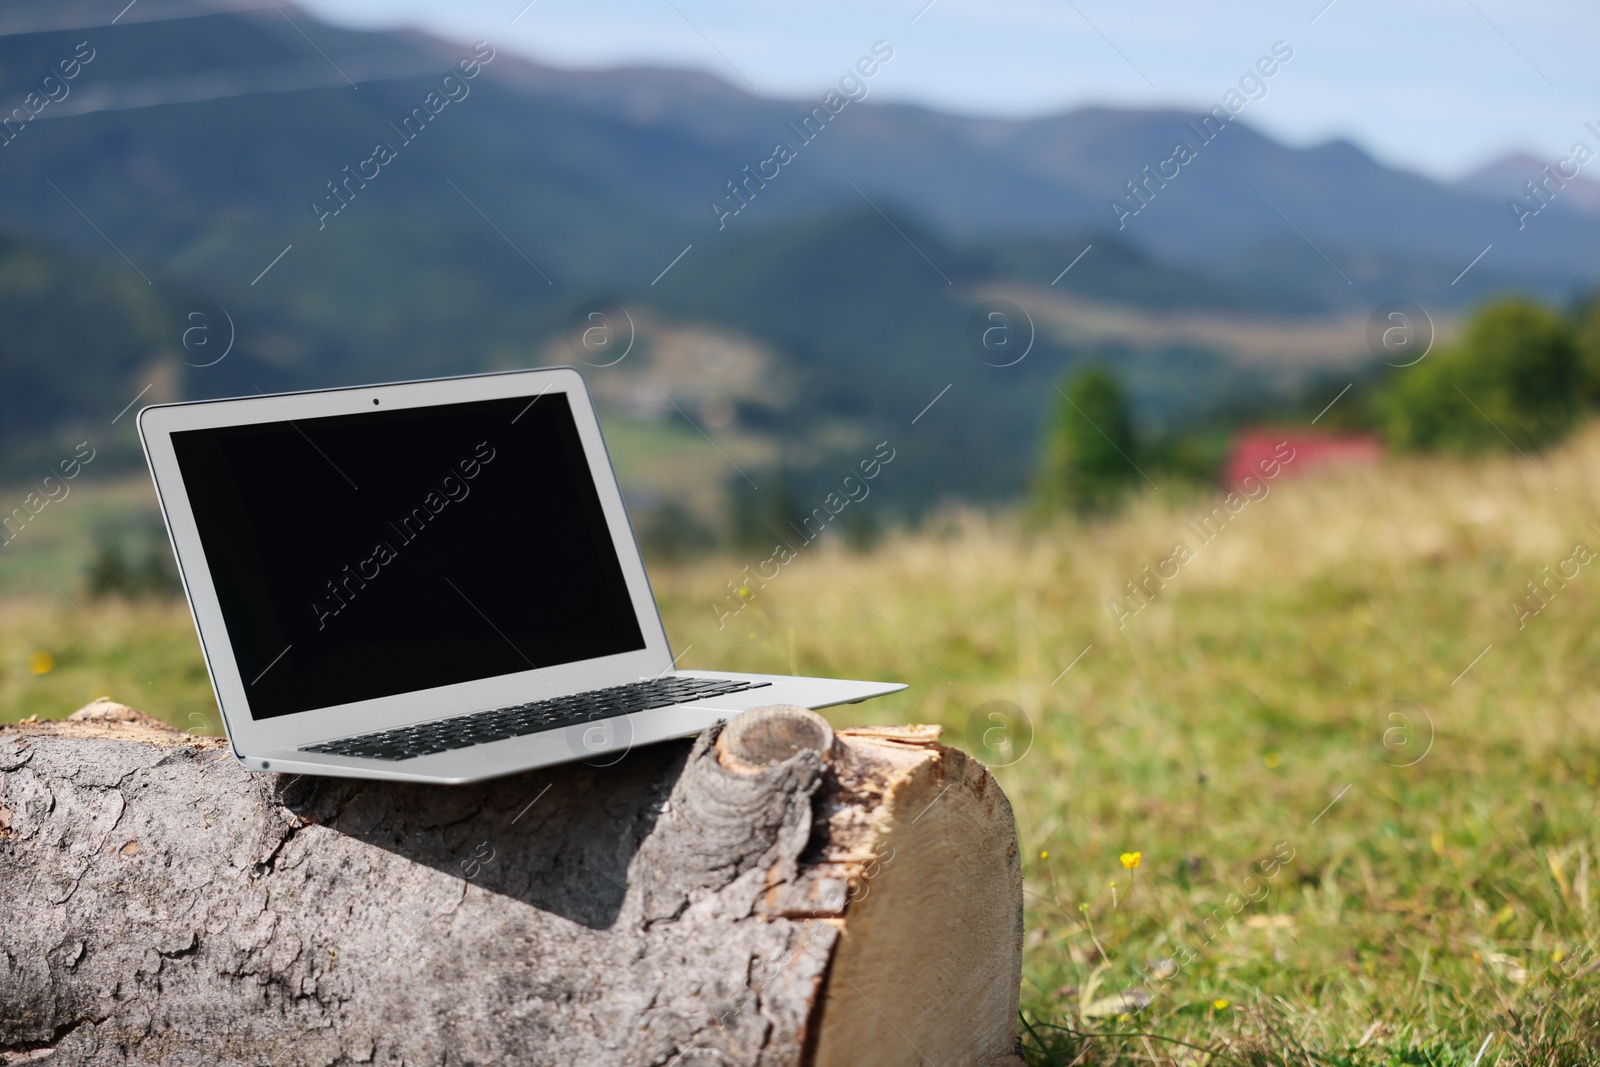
column 1512, row 381
column 758, row 520
column 673, row 532
column 145, row 571
column 1587, row 326
column 1088, row 458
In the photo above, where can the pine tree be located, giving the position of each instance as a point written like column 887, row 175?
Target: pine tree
column 1088, row 462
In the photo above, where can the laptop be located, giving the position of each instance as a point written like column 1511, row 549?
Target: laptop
column 431, row 581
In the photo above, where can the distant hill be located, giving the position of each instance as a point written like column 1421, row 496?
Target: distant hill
column 79, row 340
column 209, row 154
column 978, row 177
column 1507, row 178
column 197, row 111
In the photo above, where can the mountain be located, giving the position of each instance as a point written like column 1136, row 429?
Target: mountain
column 80, row 340
column 367, row 206
column 203, row 110
column 976, row 178
column 1508, row 177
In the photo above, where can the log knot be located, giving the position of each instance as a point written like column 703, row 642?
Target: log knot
column 742, row 804
column 105, row 710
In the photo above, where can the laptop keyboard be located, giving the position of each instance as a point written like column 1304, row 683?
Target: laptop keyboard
column 519, row 720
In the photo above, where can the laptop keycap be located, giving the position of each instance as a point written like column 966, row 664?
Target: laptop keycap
column 519, row 720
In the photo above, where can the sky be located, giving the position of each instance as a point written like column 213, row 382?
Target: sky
column 1436, row 86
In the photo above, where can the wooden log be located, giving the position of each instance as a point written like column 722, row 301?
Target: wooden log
column 769, row 894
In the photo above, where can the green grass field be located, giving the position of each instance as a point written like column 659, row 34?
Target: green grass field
column 1324, row 799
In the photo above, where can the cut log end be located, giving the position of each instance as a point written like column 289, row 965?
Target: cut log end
column 772, row 894
column 931, row 952
column 765, row 736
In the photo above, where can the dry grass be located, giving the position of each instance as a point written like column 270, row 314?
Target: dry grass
column 1429, row 906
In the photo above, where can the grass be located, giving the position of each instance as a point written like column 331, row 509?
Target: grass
column 1318, row 882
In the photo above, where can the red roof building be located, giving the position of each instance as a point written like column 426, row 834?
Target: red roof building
column 1266, row 454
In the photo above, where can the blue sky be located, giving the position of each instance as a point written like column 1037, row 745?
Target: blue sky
column 1438, row 86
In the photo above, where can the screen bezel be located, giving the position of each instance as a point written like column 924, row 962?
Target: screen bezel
column 249, row 735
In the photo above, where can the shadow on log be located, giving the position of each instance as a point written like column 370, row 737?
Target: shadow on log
column 769, row 893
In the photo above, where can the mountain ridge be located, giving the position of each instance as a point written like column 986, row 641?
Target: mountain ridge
column 858, row 264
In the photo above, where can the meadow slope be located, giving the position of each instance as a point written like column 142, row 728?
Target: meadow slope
column 1326, row 797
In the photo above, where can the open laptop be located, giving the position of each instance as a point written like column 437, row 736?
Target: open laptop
column 430, row 581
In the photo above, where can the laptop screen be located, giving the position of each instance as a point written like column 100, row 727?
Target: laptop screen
column 361, row 556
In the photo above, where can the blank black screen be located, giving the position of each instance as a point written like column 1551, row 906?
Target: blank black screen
column 359, row 556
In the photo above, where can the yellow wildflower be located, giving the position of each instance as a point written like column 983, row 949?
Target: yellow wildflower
column 1130, row 860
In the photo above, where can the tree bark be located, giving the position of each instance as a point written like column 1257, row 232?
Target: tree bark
column 768, row 894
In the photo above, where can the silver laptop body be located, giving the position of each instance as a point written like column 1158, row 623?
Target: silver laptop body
column 430, row 581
